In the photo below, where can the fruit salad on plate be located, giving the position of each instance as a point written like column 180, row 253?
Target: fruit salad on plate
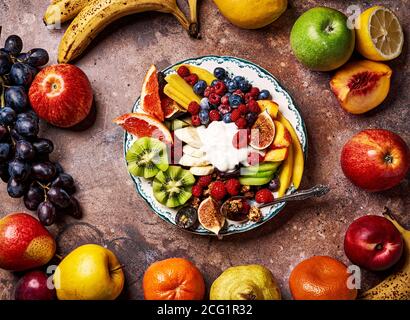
column 202, row 137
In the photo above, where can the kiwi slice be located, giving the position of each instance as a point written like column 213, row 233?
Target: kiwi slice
column 173, row 187
column 146, row 157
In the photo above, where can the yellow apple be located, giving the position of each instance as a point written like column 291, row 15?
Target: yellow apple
column 90, row 272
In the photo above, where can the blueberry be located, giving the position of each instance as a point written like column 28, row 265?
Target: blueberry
column 232, row 86
column 244, row 86
column 22, row 74
column 235, row 100
column 204, row 117
column 251, row 118
column 219, row 73
column 227, row 118
column 226, row 81
column 264, row 95
column 16, row 98
column 238, row 79
column 200, row 87
column 7, row 116
column 204, row 104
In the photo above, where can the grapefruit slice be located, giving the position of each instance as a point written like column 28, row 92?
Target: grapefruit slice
column 263, row 131
column 144, row 125
column 150, row 98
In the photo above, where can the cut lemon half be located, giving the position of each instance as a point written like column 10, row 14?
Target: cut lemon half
column 380, row 36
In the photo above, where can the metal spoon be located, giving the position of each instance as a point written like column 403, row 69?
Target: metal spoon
column 316, row 191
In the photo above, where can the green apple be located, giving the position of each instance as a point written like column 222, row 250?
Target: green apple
column 321, row 39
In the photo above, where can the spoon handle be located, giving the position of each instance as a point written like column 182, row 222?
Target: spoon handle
column 316, row 191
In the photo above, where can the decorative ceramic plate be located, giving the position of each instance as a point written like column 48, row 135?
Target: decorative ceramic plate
column 257, row 76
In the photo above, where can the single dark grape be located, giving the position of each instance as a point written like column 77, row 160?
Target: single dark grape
column 59, row 197
column 24, row 151
column 29, row 114
column 34, row 196
column 3, row 132
column 16, row 189
column 43, row 146
column 46, row 213
column 22, row 74
column 74, row 209
column 59, row 168
column 43, row 171
column 16, row 98
column 15, row 135
column 13, row 44
column 27, row 127
column 274, row 184
column 64, row 181
column 7, row 116
column 5, row 63
column 37, row 57
column 19, row 170
column 5, row 150
column 4, row 172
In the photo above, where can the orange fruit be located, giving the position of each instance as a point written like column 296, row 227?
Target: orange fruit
column 150, row 97
column 320, row 278
column 173, row 279
column 263, row 131
column 143, row 125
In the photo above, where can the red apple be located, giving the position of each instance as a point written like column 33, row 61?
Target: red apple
column 33, row 286
column 24, row 243
column 373, row 242
column 375, row 159
column 61, row 95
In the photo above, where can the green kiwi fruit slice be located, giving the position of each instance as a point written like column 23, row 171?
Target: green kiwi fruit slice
column 146, row 157
column 173, row 187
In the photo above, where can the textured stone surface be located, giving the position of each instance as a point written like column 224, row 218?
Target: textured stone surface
column 114, row 213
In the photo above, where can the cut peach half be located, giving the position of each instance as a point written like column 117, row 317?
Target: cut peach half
column 361, row 86
column 271, row 107
column 277, row 155
column 283, row 139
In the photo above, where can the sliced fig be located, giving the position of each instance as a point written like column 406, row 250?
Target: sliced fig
column 210, row 216
column 262, row 132
column 362, row 85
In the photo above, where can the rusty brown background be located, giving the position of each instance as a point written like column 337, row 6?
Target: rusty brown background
column 114, row 213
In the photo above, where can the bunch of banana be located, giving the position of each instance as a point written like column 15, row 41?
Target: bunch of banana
column 192, row 156
column 92, row 16
column 397, row 285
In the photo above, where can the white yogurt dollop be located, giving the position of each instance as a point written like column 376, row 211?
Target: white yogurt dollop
column 218, row 147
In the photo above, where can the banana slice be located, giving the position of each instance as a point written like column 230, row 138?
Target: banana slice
column 193, row 152
column 189, row 161
column 202, row 171
column 190, row 136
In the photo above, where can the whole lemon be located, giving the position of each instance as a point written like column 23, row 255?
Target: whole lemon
column 251, row 14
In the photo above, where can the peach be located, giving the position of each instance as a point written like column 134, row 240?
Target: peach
column 282, row 139
column 276, row 155
column 362, row 85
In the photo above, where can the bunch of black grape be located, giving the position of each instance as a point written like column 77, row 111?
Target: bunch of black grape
column 24, row 157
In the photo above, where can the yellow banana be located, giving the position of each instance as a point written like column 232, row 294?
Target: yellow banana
column 397, row 285
column 64, row 10
column 100, row 13
column 193, row 12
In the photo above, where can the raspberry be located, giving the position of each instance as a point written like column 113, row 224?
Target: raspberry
column 208, row 91
column 233, row 186
column 196, row 121
column 191, row 79
column 183, row 71
column 254, row 158
column 248, row 97
column 243, row 109
column 218, row 191
column 214, row 99
column 254, row 106
column 197, row 191
column 214, row 115
column 225, row 100
column 241, row 123
column 254, row 92
column 264, row 196
column 193, row 108
column 235, row 115
column 223, row 109
column 220, row 88
column 240, row 139
column 205, row 181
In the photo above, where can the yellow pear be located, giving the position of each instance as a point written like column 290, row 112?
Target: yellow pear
column 251, row 14
column 90, row 272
